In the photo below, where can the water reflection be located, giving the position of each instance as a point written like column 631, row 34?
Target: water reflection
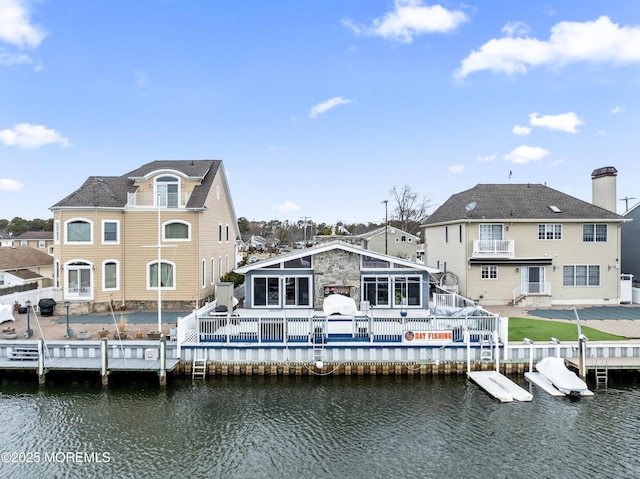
column 317, row 427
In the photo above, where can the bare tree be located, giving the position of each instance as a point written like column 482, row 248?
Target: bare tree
column 410, row 210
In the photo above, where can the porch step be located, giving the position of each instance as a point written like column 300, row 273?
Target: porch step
column 24, row 353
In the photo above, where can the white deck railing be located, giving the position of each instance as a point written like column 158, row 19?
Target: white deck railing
column 494, row 247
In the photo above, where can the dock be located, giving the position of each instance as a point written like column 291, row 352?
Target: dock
column 544, row 384
column 499, row 386
column 610, row 363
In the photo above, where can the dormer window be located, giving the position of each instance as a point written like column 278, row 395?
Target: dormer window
column 167, row 191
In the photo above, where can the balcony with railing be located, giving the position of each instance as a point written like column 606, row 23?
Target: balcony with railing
column 484, row 248
column 151, row 200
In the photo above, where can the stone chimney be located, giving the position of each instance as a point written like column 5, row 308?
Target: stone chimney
column 603, row 187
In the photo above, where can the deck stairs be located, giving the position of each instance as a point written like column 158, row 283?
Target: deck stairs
column 199, row 365
column 24, row 353
column 601, row 370
column 517, row 299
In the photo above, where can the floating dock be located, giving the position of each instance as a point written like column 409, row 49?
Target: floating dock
column 544, row 384
column 499, row 386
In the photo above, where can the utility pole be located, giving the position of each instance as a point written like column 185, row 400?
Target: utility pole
column 305, row 218
column 386, row 228
column 626, row 202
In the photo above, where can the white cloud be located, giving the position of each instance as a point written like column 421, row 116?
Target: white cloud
column 567, row 122
column 617, row 109
column 15, row 25
column 525, row 154
column 327, row 105
column 411, row 18
column 287, row 207
column 521, row 130
column 10, row 185
column 516, row 29
column 570, row 42
column 486, row 159
column 26, row 135
column 456, row 169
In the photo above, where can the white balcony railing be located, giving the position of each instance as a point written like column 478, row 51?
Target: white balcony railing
column 150, row 200
column 493, row 247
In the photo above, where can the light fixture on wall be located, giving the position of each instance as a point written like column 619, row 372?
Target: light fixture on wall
column 517, row 269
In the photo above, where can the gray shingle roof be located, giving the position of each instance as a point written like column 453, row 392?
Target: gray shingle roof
column 516, row 202
column 111, row 191
column 23, row 257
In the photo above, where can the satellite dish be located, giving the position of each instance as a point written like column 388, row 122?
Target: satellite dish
column 470, row 206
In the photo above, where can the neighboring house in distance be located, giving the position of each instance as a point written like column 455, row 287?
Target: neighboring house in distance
column 6, row 240
column 25, row 265
column 530, row 244
column 304, row 277
column 394, row 242
column 36, row 239
column 106, row 236
column 631, row 243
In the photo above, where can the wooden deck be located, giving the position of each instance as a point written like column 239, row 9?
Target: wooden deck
column 88, row 364
column 612, row 364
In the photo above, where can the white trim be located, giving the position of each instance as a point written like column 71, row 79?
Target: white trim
column 78, row 220
column 163, row 288
column 104, row 270
column 117, row 241
column 177, row 240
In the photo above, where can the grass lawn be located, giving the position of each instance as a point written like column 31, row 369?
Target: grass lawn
column 544, row 330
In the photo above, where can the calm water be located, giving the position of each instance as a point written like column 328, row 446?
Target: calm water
column 318, row 427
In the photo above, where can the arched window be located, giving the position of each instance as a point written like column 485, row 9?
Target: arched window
column 177, row 230
column 78, row 231
column 110, row 275
column 167, row 275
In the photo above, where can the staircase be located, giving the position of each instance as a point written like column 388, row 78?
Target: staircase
column 24, row 353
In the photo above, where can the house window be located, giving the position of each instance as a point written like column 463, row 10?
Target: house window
column 57, row 274
column 594, row 233
column 374, row 263
column 446, row 234
column 406, row 291
column 167, row 275
column 226, row 233
column 226, row 270
column 266, row 291
column 491, row 232
column 177, row 231
column 79, row 280
column 297, row 291
column 581, row 275
column 460, row 233
column 549, row 232
column 376, row 290
column 167, row 191
column 489, row 272
column 219, row 267
column 110, row 232
column 110, row 275
column 304, row 262
column 213, row 270
column 78, row 231
column 219, row 233
column 56, row 232
column 24, row 243
column 204, row 273
column 42, row 244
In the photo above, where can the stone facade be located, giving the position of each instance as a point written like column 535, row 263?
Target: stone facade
column 336, row 268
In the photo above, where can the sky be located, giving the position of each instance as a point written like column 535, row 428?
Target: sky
column 318, row 108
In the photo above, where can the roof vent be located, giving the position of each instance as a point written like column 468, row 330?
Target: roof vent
column 555, row 209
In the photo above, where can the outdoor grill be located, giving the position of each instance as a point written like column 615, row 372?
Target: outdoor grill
column 46, row 306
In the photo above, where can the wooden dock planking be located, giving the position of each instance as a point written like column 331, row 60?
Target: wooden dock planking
column 89, row 364
column 612, row 363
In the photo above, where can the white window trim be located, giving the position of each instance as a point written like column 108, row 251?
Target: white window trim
column 117, row 241
column 73, row 220
column 152, row 288
column 104, row 263
column 204, row 273
column 177, row 240
column 42, row 244
column 489, row 268
column 213, row 270
column 56, row 232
